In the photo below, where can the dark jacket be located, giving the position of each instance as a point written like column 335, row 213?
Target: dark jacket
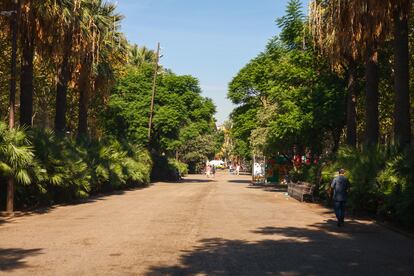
column 340, row 186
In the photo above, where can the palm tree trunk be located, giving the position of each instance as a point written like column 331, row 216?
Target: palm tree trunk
column 402, row 125
column 12, row 100
column 13, row 64
column 351, row 124
column 64, row 73
column 336, row 135
column 10, row 195
column 26, row 76
column 371, row 96
column 83, row 99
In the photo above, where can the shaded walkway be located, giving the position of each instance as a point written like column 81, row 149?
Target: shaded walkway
column 320, row 249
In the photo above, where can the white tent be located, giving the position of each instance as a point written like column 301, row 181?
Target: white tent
column 217, row 163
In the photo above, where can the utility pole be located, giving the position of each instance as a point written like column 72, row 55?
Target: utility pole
column 154, row 85
column 14, row 17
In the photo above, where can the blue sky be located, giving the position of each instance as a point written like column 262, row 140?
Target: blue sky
column 209, row 39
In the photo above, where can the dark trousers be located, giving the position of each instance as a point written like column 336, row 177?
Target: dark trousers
column 339, row 207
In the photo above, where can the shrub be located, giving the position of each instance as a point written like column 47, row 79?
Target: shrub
column 382, row 181
column 396, row 185
column 167, row 169
column 16, row 154
column 61, row 169
column 181, row 167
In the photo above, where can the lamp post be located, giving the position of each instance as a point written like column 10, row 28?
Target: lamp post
column 13, row 14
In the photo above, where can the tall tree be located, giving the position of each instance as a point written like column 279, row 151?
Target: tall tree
column 27, row 41
column 402, row 118
column 292, row 25
column 67, row 25
column 99, row 33
column 351, row 120
column 140, row 55
column 14, row 27
column 329, row 34
column 356, row 27
column 371, row 96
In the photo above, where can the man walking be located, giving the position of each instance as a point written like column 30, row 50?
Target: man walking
column 340, row 186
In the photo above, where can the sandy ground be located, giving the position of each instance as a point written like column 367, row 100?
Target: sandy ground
column 199, row 227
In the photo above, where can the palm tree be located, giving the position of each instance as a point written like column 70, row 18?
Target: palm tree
column 99, row 39
column 27, row 42
column 329, row 33
column 140, row 55
column 351, row 103
column 16, row 156
column 5, row 148
column 351, row 31
column 66, row 14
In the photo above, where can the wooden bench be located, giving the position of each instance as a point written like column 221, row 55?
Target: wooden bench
column 299, row 190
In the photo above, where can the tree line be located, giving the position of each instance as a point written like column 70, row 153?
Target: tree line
column 75, row 95
column 335, row 85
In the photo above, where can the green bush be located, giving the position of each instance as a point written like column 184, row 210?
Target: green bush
column 61, row 169
column 306, row 173
column 396, row 185
column 64, row 174
column 382, row 181
column 16, row 154
column 167, row 169
column 181, row 167
column 16, row 159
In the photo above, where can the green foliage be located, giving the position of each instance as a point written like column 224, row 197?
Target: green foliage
column 363, row 168
column 244, row 122
column 181, row 167
column 183, row 120
column 307, row 173
column 196, row 151
column 16, row 154
column 50, row 169
column 167, row 169
column 292, row 24
column 66, row 173
column 287, row 95
column 396, row 186
column 180, row 112
column 381, row 180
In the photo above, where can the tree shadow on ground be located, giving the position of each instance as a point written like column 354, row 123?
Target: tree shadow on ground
column 269, row 187
column 240, row 181
column 39, row 210
column 320, row 249
column 13, row 258
column 196, row 180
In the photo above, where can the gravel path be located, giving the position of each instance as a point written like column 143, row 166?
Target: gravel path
column 203, row 227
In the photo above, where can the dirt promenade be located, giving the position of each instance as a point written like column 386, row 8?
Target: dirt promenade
column 200, row 226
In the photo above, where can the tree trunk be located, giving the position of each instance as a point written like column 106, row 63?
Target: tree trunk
column 83, row 99
column 351, row 124
column 402, row 124
column 336, row 135
column 26, row 76
column 12, row 97
column 13, row 65
column 371, row 96
column 64, row 74
column 10, row 195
